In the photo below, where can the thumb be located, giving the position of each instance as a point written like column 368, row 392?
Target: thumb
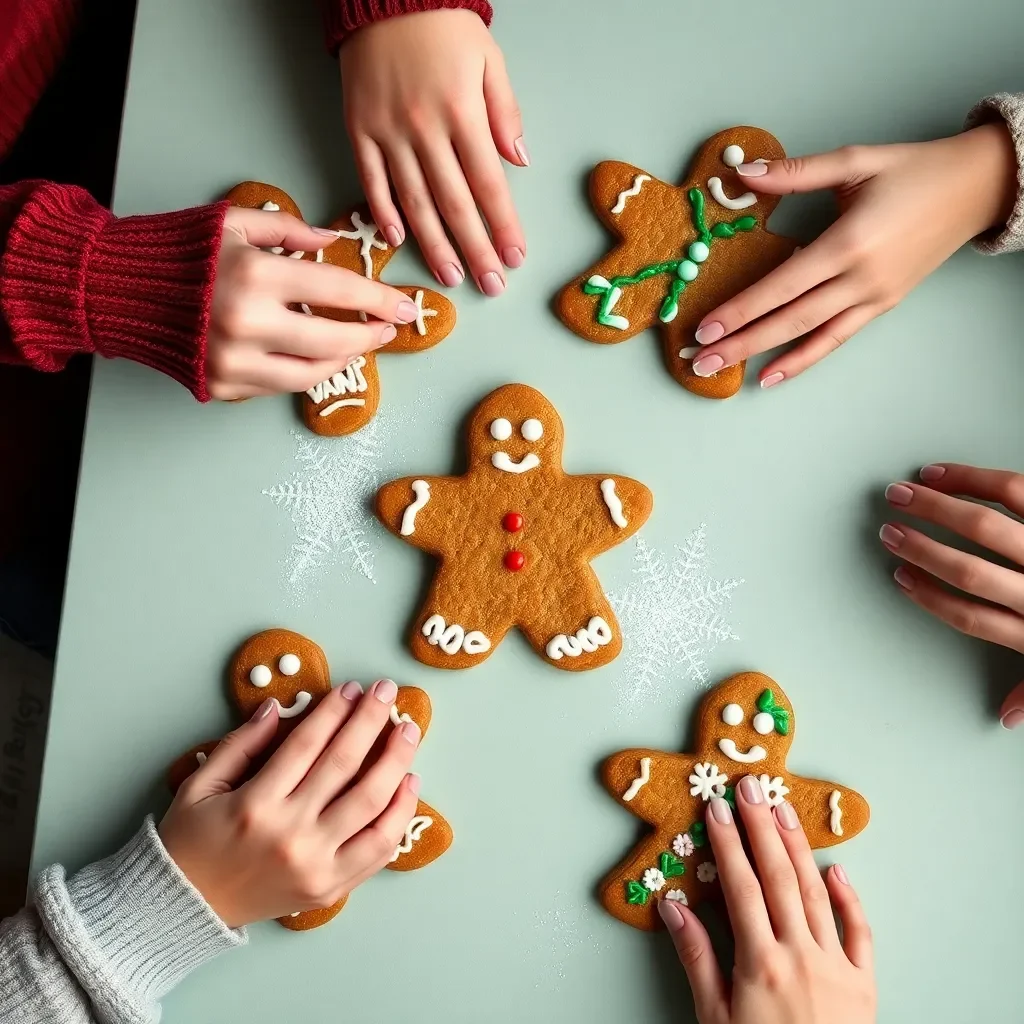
column 846, row 166
column 1011, row 714
column 503, row 113
column 232, row 757
column 693, row 946
column 266, row 229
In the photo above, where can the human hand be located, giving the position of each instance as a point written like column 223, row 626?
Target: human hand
column 428, row 102
column 1001, row 620
column 256, row 344
column 904, row 210
column 791, row 967
column 310, row 825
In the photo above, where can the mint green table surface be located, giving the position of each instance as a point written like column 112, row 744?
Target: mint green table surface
column 179, row 553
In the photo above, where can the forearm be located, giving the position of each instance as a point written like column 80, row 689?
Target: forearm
column 343, row 17
column 1008, row 108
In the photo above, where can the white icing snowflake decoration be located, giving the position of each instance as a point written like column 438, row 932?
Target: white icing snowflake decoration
column 707, row 781
column 775, row 790
column 707, row 872
column 653, row 880
column 682, row 845
column 677, row 896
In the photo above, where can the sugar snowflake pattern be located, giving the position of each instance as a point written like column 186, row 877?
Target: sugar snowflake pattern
column 673, row 615
column 707, row 781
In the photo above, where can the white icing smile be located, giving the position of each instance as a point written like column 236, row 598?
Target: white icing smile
column 502, row 461
column 718, row 193
column 301, row 702
column 753, row 755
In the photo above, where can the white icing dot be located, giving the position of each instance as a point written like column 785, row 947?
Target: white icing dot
column 260, row 676
column 763, row 723
column 289, row 664
column 732, row 714
column 501, row 430
column 732, row 156
column 532, row 430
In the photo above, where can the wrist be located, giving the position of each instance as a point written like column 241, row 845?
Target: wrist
column 992, row 160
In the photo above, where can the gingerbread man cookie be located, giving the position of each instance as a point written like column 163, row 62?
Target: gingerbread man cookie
column 744, row 726
column 685, row 249
column 293, row 670
column 349, row 399
column 515, row 536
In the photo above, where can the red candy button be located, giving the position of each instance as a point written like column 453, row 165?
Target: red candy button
column 514, row 560
column 513, row 522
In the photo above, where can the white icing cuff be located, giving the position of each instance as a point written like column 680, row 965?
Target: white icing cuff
column 1010, row 107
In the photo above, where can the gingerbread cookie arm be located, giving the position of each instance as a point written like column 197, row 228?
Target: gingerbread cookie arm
column 418, row 510
column 435, row 320
column 611, row 509
column 614, row 188
column 309, row 919
column 829, row 813
column 427, row 836
column 257, row 195
column 652, row 785
column 188, row 764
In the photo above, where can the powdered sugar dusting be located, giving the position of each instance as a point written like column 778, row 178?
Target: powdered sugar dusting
column 562, row 936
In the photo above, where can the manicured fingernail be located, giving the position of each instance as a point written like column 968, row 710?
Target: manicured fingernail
column 750, row 789
column 328, row 231
column 899, row 494
column 513, row 257
column 385, row 691
column 451, row 275
column 263, row 710
column 1012, row 718
column 841, row 874
column 708, row 333
column 932, row 474
column 708, row 365
column 394, row 236
column 752, row 170
column 522, row 151
column 720, row 810
column 407, row 312
column 491, row 284
column 351, row 690
column 411, row 732
column 787, row 816
column 772, row 379
column 891, row 537
column 671, row 914
column 388, row 334
column 413, row 783
column 903, row 578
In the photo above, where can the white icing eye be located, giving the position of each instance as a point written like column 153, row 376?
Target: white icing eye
column 732, row 156
column 732, row 714
column 763, row 723
column 260, row 676
column 532, row 430
column 501, row 430
column 289, row 664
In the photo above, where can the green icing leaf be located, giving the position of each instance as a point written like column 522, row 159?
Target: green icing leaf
column 766, row 703
column 729, row 796
column 671, row 866
column 723, row 230
column 636, row 894
column 593, row 289
column 698, row 832
column 745, row 223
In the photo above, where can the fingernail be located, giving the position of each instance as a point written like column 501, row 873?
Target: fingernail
column 841, row 874
column 932, row 474
column 891, row 537
column 720, row 810
column 671, row 914
column 328, row 232
column 708, row 333
column 263, row 710
column 899, row 494
column 708, row 365
column 388, row 334
column 772, row 379
column 1012, row 718
column 394, row 236
column 411, row 731
column 491, row 284
column 903, row 578
column 752, row 170
column 407, row 312
column 351, row 691
column 385, row 691
column 513, row 257
column 414, row 783
column 750, row 788
column 522, row 151
column 787, row 816
column 451, row 275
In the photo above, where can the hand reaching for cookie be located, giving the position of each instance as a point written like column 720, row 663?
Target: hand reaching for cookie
column 999, row 614
column 791, row 966
column 904, row 210
column 428, row 103
column 258, row 345
column 310, row 826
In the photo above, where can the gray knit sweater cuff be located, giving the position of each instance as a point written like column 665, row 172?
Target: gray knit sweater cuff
column 1010, row 107
column 130, row 927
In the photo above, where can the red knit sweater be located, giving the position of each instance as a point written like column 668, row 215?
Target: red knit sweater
column 74, row 278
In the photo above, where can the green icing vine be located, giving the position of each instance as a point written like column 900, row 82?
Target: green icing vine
column 670, row 866
column 766, row 703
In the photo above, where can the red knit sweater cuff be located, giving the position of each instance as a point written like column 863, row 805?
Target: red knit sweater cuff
column 343, row 17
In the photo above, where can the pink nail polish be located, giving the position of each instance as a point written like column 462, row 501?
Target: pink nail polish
column 414, row 783
column 387, row 335
column 394, row 236
column 786, row 815
column 407, row 312
column 513, row 257
column 903, row 578
column 899, row 494
column 411, row 732
column 708, row 365
column 385, row 691
column 932, row 474
column 522, row 151
column 1012, row 718
column 351, row 690
column 772, row 379
column 721, row 811
column 750, row 790
column 263, row 710
column 451, row 275
column 672, row 914
column 752, row 170
column 891, row 537
column 841, row 874
column 491, row 284
column 328, row 232
column 708, row 333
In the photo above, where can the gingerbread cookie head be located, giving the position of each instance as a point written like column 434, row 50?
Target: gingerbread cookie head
column 516, row 431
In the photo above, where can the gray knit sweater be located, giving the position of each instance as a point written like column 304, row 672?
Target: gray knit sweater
column 1009, row 107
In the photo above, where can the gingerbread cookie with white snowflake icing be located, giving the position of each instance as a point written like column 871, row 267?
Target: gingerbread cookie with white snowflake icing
column 684, row 250
column 348, row 400
column 514, row 537
column 745, row 726
column 293, row 670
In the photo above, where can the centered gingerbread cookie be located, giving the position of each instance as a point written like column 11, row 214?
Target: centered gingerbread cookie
column 745, row 726
column 684, row 250
column 514, row 536
column 294, row 671
column 349, row 399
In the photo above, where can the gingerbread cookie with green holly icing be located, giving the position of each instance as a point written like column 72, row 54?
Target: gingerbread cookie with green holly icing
column 293, row 670
column 745, row 726
column 683, row 250
column 348, row 400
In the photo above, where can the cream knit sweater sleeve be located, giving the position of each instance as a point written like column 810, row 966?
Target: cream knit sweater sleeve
column 1010, row 107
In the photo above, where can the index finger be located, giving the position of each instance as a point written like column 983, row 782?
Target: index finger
column 1001, row 486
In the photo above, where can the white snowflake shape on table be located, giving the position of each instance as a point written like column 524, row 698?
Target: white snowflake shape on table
column 775, row 790
column 707, row 872
column 682, row 845
column 673, row 614
column 707, row 781
column 653, row 880
column 677, row 896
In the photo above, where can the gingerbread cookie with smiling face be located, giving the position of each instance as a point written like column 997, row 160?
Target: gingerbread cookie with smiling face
column 514, row 537
column 293, row 670
column 684, row 250
column 349, row 399
column 745, row 726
